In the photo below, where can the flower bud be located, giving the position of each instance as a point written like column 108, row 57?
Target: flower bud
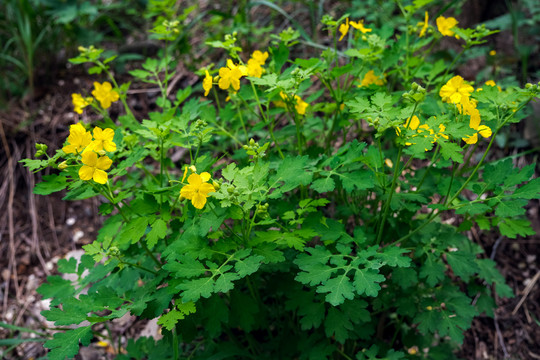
column 216, row 184
column 193, row 168
column 63, row 165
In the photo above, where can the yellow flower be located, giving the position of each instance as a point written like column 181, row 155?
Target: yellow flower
column 254, row 68
column 80, row 103
column 474, row 124
column 456, row 91
column 93, row 167
column 422, row 130
column 492, row 53
column 412, row 123
column 371, row 79
column 103, row 140
column 360, row 26
column 207, row 83
column 425, row 25
column 445, row 24
column 230, row 76
column 78, row 139
column 259, row 56
column 299, row 105
column 344, row 29
column 105, row 94
column 490, row 83
column 197, row 189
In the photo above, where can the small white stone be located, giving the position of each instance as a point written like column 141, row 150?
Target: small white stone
column 78, row 235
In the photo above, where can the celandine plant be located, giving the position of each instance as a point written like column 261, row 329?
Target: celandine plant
column 305, row 220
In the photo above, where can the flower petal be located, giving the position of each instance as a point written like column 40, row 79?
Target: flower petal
column 195, row 180
column 86, row 172
column 206, row 188
column 103, row 163
column 100, row 176
column 89, row 158
column 188, row 191
column 485, row 131
column 198, row 201
column 205, row 176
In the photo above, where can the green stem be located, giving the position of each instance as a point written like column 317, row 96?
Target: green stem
column 394, row 182
column 175, row 345
column 271, row 127
column 329, row 136
column 150, row 254
column 138, row 266
column 242, row 121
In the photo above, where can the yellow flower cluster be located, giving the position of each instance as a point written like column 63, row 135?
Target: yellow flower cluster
column 344, row 28
column 424, row 25
column 422, row 130
column 371, row 79
column 445, row 25
column 299, row 105
column 197, row 189
column 92, row 150
column 229, row 75
column 104, row 93
column 456, row 91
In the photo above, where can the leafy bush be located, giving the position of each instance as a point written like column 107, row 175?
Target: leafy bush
column 308, row 216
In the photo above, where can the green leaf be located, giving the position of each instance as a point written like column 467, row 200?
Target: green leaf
column 337, row 324
column 450, row 150
column 323, row 185
column 248, row 265
column 338, row 289
column 193, row 290
column 66, row 344
column 185, row 267
column 133, row 231
column 511, row 208
column 492, row 276
column 360, row 180
column 56, row 288
column 169, row 320
column 36, row 164
column 496, row 173
column 405, row 277
column 293, row 172
column 513, row 227
column 473, row 209
column 67, row 266
column 523, row 175
column 393, row 256
column 528, row 191
column 433, row 270
column 72, row 315
column 158, row 231
column 366, row 281
column 462, row 263
column 50, row 184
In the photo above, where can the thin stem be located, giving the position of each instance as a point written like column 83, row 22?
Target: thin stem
column 150, row 254
column 271, row 127
column 175, row 344
column 138, row 266
column 242, row 121
column 394, row 182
